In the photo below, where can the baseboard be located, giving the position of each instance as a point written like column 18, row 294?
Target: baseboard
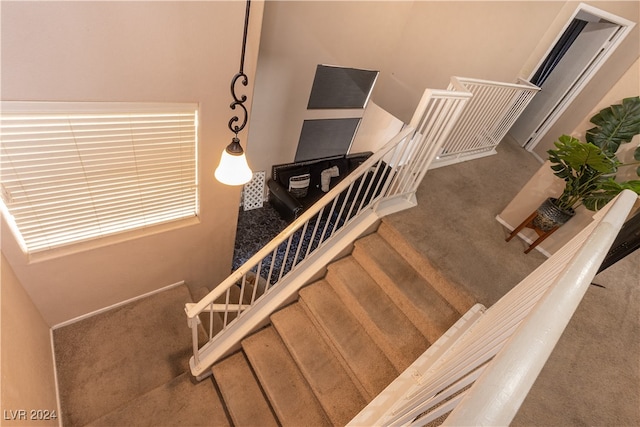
column 116, row 305
column 55, row 377
column 537, row 157
column 460, row 158
column 522, row 236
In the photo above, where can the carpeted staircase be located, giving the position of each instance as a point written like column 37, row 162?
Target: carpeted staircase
column 324, row 357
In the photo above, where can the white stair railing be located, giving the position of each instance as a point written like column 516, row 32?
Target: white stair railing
column 483, row 367
column 383, row 184
column 487, row 117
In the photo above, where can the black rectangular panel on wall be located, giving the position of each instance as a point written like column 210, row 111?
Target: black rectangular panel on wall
column 325, row 137
column 339, row 87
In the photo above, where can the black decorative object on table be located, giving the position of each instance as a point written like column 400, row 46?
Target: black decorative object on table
column 294, row 187
column 628, row 241
column 258, row 227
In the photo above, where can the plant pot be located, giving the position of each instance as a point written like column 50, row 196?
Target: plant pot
column 551, row 216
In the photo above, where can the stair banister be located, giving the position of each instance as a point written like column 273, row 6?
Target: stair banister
column 494, row 108
column 497, row 395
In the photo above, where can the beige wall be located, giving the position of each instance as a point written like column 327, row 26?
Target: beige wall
column 414, row 44
column 132, row 51
column 544, row 184
column 27, row 361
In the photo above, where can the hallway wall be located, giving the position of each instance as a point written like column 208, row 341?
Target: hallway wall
column 27, row 360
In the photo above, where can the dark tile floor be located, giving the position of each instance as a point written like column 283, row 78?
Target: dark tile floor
column 255, row 228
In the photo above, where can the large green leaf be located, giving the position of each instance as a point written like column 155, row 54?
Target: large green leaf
column 607, row 191
column 615, row 125
column 574, row 154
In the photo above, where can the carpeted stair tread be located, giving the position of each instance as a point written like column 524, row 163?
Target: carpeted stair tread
column 358, row 350
column 179, row 402
column 431, row 313
column 287, row 390
column 375, row 310
column 461, row 300
column 241, row 392
column 330, row 382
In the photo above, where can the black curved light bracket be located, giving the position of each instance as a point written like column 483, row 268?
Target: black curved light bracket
column 243, row 79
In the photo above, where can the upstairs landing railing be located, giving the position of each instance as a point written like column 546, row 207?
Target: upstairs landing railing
column 482, row 369
column 486, row 118
column 383, row 184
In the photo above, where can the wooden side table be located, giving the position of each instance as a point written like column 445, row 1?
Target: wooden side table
column 528, row 223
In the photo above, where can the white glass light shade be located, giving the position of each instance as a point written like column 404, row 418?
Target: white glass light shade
column 233, row 169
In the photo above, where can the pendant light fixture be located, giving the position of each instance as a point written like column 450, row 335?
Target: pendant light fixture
column 233, row 168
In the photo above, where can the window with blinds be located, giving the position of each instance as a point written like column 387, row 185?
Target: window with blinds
column 71, row 172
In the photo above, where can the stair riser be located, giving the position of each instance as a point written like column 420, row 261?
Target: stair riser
column 365, row 362
column 401, row 348
column 288, row 392
column 319, row 364
column 242, row 393
column 458, row 298
column 430, row 325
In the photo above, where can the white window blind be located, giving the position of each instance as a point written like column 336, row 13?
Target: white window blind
column 76, row 171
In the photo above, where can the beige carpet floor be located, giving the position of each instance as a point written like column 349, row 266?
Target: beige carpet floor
column 133, row 360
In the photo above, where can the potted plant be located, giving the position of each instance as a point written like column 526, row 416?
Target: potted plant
column 589, row 169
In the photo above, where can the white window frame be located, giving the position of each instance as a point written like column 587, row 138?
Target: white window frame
column 122, row 163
